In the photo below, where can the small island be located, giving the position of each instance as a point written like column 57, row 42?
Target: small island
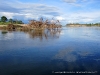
column 42, row 23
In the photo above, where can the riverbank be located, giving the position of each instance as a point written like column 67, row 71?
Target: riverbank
column 14, row 24
column 13, row 27
column 81, row 25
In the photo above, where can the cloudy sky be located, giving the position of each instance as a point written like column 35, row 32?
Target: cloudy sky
column 67, row 11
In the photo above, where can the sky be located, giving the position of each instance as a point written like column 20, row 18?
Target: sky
column 66, row 11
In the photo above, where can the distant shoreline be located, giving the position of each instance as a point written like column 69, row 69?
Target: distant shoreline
column 81, row 25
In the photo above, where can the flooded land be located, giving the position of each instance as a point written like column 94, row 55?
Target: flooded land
column 50, row 51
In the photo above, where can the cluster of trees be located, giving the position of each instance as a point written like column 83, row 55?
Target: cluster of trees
column 4, row 20
column 89, row 24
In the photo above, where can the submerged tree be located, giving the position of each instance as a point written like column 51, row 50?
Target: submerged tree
column 44, row 23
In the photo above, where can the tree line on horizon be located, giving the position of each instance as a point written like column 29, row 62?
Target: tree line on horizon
column 4, row 21
column 87, row 24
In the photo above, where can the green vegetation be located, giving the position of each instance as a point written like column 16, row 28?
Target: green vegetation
column 5, row 21
column 4, row 32
column 77, row 24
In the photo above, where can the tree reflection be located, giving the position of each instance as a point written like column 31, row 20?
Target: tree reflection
column 44, row 34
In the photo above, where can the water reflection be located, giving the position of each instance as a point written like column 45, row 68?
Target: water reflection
column 71, row 59
column 60, row 50
column 4, row 32
column 70, row 54
column 35, row 34
column 6, row 35
column 66, row 55
column 44, row 34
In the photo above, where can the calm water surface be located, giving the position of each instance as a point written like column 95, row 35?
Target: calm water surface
column 49, row 52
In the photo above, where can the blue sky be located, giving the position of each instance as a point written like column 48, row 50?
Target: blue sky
column 67, row 11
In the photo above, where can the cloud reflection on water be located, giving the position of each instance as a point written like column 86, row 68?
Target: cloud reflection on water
column 71, row 55
column 66, row 55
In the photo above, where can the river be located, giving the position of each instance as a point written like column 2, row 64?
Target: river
column 48, row 52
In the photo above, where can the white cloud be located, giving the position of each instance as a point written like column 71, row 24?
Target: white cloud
column 26, row 11
column 82, row 17
column 70, row 1
column 75, row 1
column 78, row 3
column 60, row 18
column 16, row 9
column 7, row 14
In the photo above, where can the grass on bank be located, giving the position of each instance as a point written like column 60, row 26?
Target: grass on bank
column 4, row 23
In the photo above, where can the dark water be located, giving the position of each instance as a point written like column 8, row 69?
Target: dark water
column 64, row 51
